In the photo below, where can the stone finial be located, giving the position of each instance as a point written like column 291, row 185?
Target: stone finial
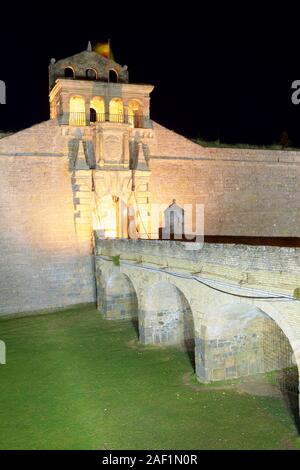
column 52, row 61
column 89, row 47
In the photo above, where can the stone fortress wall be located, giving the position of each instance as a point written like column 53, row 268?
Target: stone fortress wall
column 245, row 192
column 44, row 263
column 46, row 222
column 101, row 152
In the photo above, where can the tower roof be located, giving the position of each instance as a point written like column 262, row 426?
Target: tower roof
column 86, row 65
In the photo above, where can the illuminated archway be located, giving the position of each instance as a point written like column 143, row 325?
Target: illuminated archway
column 97, row 104
column 116, row 110
column 77, row 111
column 135, row 113
column 110, row 216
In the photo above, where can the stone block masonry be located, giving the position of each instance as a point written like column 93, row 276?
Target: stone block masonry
column 46, row 206
column 238, row 325
column 43, row 263
column 244, row 192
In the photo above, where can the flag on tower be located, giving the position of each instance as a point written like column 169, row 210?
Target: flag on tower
column 104, row 49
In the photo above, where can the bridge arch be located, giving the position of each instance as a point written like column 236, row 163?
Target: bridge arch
column 145, row 264
column 120, row 298
column 231, row 326
column 240, row 339
column 166, row 317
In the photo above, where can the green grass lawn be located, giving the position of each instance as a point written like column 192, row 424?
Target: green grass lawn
column 76, row 381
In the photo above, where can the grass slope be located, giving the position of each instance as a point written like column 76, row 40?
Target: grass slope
column 74, row 381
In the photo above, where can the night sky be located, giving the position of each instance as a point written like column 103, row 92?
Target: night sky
column 215, row 75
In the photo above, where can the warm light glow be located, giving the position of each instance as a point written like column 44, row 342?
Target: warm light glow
column 77, row 111
column 116, row 110
column 97, row 104
column 134, row 113
column 104, row 49
column 105, row 216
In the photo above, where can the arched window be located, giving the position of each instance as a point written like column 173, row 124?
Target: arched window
column 113, row 76
column 135, row 114
column 91, row 74
column 77, row 111
column 116, row 110
column 97, row 104
column 69, row 72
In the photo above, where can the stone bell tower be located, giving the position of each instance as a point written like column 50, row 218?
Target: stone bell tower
column 107, row 123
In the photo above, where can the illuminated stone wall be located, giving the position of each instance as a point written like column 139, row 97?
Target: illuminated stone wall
column 46, row 199
column 47, row 209
column 44, row 263
column 245, row 192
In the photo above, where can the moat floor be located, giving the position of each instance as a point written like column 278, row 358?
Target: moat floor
column 75, row 381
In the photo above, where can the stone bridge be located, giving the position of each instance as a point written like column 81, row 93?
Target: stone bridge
column 233, row 306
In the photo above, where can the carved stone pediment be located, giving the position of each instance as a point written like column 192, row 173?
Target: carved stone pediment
column 113, row 148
